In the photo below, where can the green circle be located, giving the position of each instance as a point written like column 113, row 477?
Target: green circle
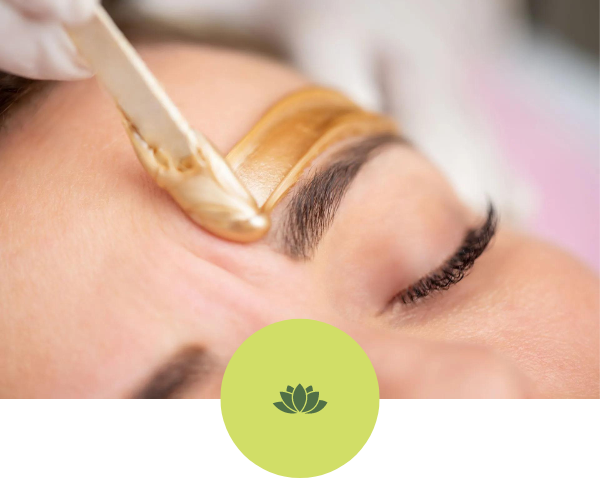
column 299, row 354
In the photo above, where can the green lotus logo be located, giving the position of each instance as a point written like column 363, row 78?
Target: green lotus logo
column 298, row 400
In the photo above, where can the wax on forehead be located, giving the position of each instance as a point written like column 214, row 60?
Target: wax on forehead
column 273, row 155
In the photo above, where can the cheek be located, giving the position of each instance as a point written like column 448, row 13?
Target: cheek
column 530, row 303
column 554, row 331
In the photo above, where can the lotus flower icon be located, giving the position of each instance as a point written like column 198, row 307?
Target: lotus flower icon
column 298, row 400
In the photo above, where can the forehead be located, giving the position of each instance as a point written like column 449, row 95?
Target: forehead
column 79, row 212
column 220, row 92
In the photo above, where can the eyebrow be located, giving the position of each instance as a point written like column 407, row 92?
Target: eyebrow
column 315, row 200
column 188, row 367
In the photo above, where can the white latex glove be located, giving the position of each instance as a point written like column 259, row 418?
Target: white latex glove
column 33, row 43
column 421, row 52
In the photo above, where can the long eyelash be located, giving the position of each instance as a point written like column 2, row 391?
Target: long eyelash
column 456, row 267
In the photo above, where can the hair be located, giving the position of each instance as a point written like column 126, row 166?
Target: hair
column 13, row 90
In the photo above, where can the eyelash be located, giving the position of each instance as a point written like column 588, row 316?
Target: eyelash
column 456, row 267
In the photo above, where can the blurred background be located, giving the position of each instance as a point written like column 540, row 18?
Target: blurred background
column 501, row 94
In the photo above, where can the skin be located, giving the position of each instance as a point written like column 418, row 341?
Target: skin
column 104, row 278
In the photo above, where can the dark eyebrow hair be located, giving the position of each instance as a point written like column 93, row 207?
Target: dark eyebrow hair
column 315, row 201
column 189, row 366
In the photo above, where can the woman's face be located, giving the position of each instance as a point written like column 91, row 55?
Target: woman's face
column 108, row 290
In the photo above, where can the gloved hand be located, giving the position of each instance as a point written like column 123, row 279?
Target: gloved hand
column 33, row 43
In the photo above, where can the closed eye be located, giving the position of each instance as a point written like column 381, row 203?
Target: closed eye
column 455, row 268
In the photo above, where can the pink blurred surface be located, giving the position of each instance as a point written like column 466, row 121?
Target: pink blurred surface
column 558, row 157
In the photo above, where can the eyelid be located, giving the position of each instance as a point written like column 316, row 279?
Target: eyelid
column 455, row 268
